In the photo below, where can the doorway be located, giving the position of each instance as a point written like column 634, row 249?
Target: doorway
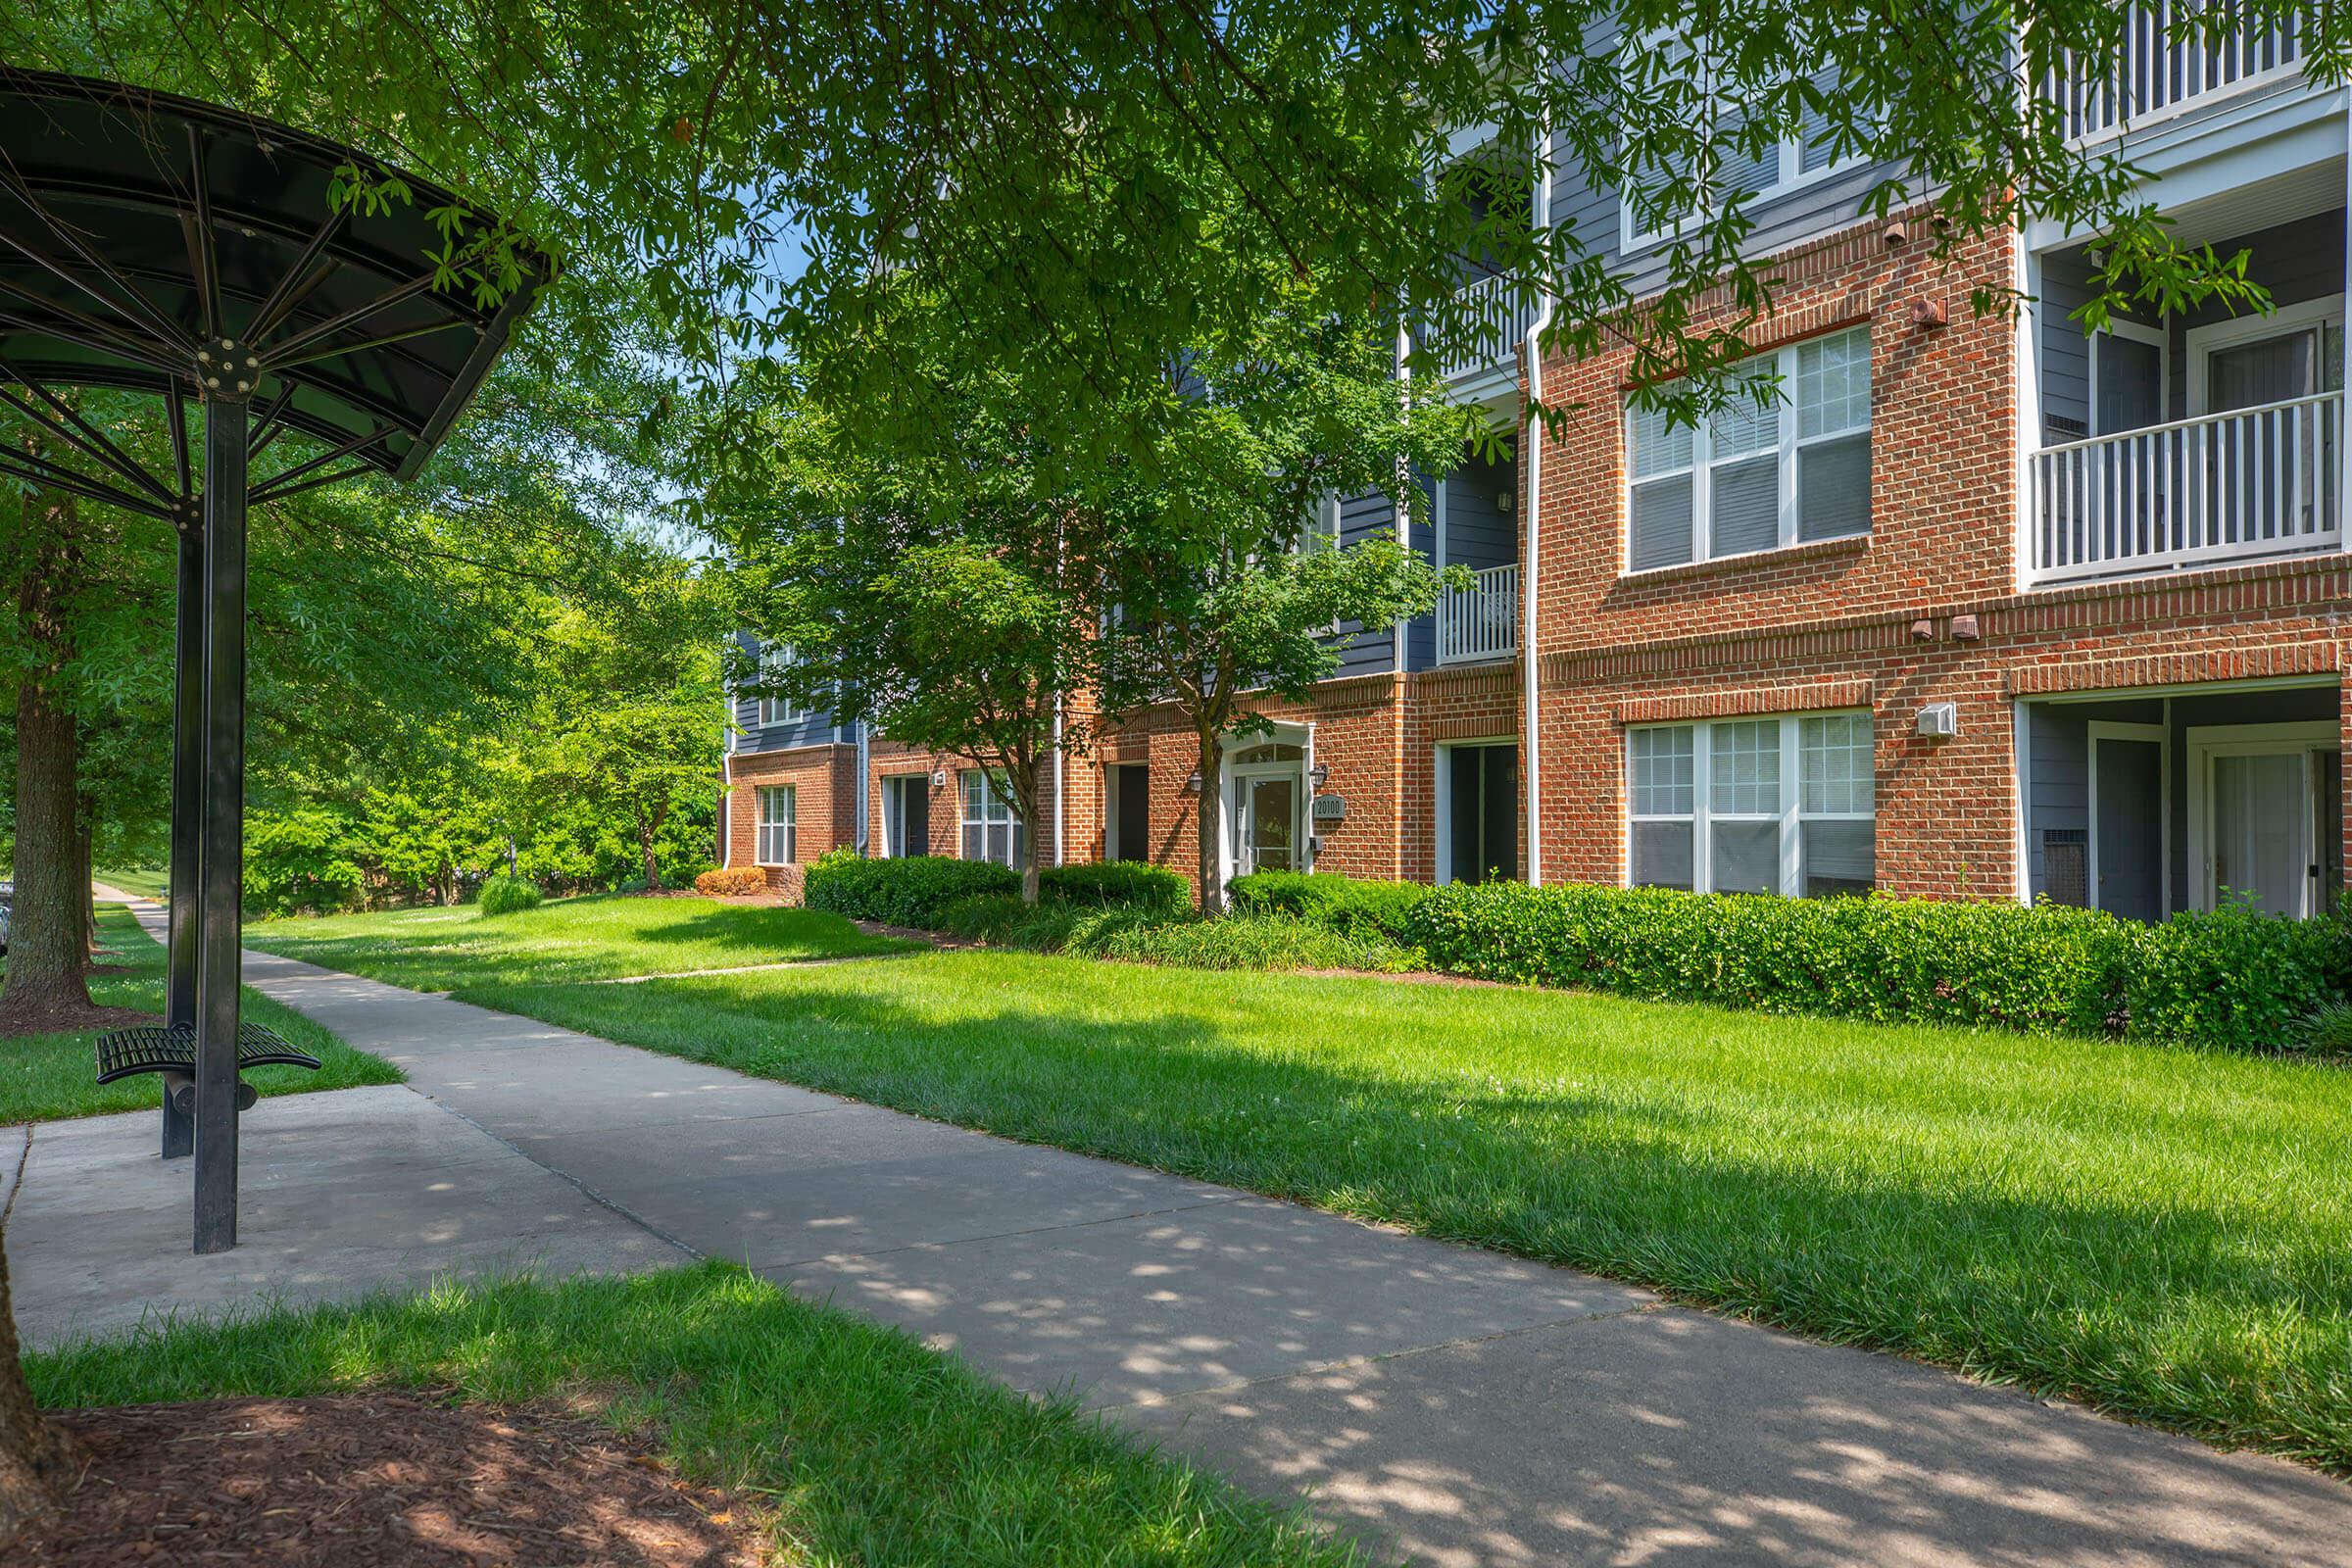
column 1478, row 811
column 2264, row 803
column 906, row 815
column 1127, row 812
column 2126, row 793
column 1265, row 799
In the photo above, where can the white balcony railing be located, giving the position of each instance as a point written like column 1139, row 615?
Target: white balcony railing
column 1493, row 324
column 2160, row 72
column 2236, row 486
column 1482, row 620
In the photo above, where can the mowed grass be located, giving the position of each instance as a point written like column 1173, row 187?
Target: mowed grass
column 869, row 1449
column 47, row 1077
column 145, row 883
column 2164, row 1234
column 606, row 937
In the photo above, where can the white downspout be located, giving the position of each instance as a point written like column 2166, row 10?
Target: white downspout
column 1531, row 458
column 726, row 777
column 1060, row 781
column 864, row 792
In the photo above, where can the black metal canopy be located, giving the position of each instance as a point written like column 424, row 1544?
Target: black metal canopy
column 153, row 244
column 150, row 242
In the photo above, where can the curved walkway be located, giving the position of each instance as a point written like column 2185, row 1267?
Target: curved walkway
column 1465, row 1407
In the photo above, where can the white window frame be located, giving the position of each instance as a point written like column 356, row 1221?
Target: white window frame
column 1791, row 176
column 1789, row 450
column 996, row 796
column 2137, row 332
column 1789, row 816
column 779, row 710
column 2205, row 743
column 766, row 825
column 2200, row 343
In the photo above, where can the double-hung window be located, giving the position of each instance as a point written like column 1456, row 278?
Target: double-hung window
column 1782, row 805
column 1319, row 529
column 1659, row 201
column 778, row 811
column 777, row 710
column 1785, row 459
column 990, row 830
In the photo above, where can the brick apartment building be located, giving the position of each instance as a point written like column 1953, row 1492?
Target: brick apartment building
column 1984, row 609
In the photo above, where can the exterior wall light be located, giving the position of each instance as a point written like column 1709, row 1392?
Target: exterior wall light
column 1191, row 786
column 1319, row 774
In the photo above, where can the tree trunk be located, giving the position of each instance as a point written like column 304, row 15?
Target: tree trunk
column 1212, row 824
column 645, row 830
column 86, row 813
column 1024, row 782
column 48, row 965
column 36, row 1457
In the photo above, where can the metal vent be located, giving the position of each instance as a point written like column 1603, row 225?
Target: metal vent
column 2065, row 875
column 2065, row 427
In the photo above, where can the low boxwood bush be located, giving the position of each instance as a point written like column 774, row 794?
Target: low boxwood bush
column 2233, row 978
column 731, row 882
column 908, row 890
column 1115, row 882
column 1327, row 898
column 503, row 895
column 1236, row 941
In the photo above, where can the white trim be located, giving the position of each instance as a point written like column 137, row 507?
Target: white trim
column 2201, row 342
column 1787, row 815
column 1531, row 527
column 2021, row 730
column 2136, row 332
column 1786, row 449
column 2095, row 731
column 2196, row 688
column 2206, row 742
column 1441, row 796
column 1274, row 732
column 762, row 825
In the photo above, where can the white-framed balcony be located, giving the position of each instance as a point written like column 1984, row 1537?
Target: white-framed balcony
column 2161, row 74
column 1493, row 322
column 1480, row 623
column 2243, row 485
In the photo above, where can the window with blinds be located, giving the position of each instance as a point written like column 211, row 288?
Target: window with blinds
column 1781, row 805
column 776, row 833
column 1784, row 462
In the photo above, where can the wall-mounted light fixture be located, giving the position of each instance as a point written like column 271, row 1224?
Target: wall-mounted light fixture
column 1191, row 786
column 939, row 779
column 1319, row 774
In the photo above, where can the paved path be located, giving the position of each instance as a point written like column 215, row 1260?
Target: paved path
column 1468, row 1407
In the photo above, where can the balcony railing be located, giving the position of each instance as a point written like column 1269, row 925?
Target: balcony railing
column 2159, row 74
column 1480, row 621
column 1492, row 323
column 2223, row 487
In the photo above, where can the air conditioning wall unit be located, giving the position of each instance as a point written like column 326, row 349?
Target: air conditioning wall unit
column 1940, row 722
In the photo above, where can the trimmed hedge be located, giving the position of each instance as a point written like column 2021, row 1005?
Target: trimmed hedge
column 2230, row 978
column 505, row 895
column 1115, row 882
column 906, row 890
column 1327, row 898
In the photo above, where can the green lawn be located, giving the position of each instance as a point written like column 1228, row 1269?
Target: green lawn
column 45, row 1077
column 2165, row 1234
column 145, row 884
column 599, row 938
column 870, row 1448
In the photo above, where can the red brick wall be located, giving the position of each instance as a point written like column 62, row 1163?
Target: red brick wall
column 824, row 802
column 888, row 759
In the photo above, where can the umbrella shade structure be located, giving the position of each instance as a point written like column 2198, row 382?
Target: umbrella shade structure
column 326, row 315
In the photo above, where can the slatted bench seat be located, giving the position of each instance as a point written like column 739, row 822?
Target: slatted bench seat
column 170, row 1049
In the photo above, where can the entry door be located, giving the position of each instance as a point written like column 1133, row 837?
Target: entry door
column 1131, row 812
column 906, row 815
column 1270, row 824
column 2261, row 827
column 1482, row 813
column 2127, row 771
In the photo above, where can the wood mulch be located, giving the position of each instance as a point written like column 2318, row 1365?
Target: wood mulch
column 73, row 1018
column 381, row 1479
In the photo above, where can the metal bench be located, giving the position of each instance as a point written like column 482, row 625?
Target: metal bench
column 170, row 1049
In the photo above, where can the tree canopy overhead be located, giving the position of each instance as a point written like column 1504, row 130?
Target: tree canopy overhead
column 752, row 170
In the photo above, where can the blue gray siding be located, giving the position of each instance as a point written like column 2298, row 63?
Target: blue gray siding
column 814, row 729
column 1366, row 651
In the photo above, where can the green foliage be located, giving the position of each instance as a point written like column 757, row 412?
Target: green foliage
column 510, row 895
column 2233, row 978
column 1238, row 942
column 300, row 859
column 906, row 890
column 1136, row 883
column 1344, row 904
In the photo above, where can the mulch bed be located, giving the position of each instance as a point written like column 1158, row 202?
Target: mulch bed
column 380, row 1479
column 72, row 1019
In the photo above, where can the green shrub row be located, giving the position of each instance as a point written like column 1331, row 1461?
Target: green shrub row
column 1177, row 937
column 1326, row 899
column 908, row 890
column 1115, row 882
column 505, row 895
column 2233, row 977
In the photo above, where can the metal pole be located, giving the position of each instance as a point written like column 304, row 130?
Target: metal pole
column 187, row 796
column 223, row 855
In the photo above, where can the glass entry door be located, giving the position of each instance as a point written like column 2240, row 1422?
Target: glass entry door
column 1270, row 824
column 2261, row 817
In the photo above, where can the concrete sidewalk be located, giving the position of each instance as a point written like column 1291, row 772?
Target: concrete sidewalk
column 1463, row 1406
